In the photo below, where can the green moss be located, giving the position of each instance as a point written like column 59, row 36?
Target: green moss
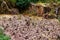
column 13, row 1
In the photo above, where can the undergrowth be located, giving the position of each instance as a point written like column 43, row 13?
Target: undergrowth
column 3, row 36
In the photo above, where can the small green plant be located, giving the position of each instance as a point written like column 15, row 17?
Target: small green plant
column 34, row 1
column 3, row 36
column 22, row 4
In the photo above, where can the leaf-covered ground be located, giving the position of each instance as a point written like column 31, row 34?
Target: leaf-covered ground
column 30, row 27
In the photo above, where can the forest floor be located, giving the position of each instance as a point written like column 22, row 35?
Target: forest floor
column 24, row 27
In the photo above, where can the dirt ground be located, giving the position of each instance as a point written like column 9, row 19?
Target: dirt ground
column 20, row 27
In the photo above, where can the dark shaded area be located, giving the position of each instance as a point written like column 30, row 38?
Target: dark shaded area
column 47, row 9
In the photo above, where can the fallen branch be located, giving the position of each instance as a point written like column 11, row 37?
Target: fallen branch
column 4, row 3
column 13, row 10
